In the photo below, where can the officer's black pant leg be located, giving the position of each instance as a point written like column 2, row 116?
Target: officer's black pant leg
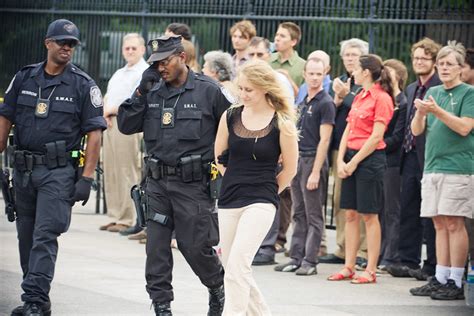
column 268, row 245
column 159, row 258
column 25, row 222
column 411, row 231
column 53, row 216
column 191, row 207
column 159, row 263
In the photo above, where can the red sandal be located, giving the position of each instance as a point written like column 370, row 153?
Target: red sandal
column 340, row 277
column 364, row 280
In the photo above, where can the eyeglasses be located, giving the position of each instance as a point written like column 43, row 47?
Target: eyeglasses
column 423, row 59
column 166, row 62
column 350, row 55
column 130, row 48
column 69, row 42
column 446, row 64
column 259, row 55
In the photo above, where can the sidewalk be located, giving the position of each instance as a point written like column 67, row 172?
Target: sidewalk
column 102, row 273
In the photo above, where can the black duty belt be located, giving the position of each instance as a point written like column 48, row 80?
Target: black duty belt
column 308, row 153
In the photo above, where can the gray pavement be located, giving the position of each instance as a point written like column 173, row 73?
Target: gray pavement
column 102, row 273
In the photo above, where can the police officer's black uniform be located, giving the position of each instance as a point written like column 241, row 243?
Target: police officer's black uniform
column 179, row 126
column 45, row 138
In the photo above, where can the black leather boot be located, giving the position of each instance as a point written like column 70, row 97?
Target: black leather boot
column 35, row 309
column 162, row 309
column 216, row 301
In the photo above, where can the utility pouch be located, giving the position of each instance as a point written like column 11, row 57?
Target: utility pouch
column 29, row 162
column 51, row 155
column 18, row 160
column 197, row 167
column 61, row 152
column 215, row 182
column 153, row 168
column 186, row 164
column 11, row 156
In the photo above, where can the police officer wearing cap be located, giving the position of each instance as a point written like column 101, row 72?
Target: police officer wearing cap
column 178, row 116
column 52, row 105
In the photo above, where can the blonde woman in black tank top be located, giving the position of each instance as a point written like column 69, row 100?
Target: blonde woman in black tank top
column 257, row 134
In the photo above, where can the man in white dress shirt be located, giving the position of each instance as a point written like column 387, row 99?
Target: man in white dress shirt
column 121, row 153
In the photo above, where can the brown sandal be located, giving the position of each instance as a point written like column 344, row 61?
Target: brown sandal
column 364, row 280
column 340, row 276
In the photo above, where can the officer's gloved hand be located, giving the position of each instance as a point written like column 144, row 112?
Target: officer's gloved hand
column 82, row 190
column 223, row 158
column 149, row 78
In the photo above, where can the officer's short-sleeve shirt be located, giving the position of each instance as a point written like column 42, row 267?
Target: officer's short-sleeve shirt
column 318, row 111
column 75, row 107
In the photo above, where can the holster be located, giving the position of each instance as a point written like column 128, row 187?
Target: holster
column 138, row 196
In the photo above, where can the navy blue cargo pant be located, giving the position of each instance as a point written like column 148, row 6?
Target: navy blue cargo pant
column 43, row 205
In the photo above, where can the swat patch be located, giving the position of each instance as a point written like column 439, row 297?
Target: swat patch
column 96, row 97
column 228, row 95
column 10, row 85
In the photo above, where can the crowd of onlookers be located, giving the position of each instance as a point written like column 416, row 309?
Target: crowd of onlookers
column 400, row 155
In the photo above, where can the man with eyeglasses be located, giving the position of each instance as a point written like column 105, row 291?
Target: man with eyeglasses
column 178, row 115
column 121, row 152
column 53, row 105
column 412, row 227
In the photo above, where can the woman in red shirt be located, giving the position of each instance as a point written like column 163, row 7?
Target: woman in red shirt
column 361, row 164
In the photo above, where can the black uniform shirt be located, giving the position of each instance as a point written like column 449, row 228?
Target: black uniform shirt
column 75, row 107
column 198, row 106
column 319, row 110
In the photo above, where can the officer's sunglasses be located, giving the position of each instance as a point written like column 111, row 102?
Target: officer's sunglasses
column 69, row 42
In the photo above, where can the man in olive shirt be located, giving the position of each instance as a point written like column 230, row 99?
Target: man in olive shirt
column 287, row 37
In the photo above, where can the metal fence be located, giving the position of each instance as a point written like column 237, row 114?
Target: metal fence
column 390, row 26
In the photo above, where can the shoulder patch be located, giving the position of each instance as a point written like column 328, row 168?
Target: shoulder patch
column 228, row 95
column 10, row 85
column 96, row 97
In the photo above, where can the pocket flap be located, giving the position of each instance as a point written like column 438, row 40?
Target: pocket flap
column 27, row 101
column 66, row 107
column 189, row 114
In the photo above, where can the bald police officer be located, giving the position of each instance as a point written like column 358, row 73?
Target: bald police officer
column 52, row 105
column 179, row 116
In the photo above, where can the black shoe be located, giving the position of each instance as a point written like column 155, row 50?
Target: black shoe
column 419, row 274
column 131, row 230
column 263, row 260
column 449, row 291
column 399, row 271
column 216, row 301
column 432, row 286
column 35, row 309
column 361, row 264
column 330, row 258
column 162, row 309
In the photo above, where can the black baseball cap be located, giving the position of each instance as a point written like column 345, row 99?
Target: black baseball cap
column 63, row 29
column 163, row 47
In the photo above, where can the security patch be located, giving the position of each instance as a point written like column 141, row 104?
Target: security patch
column 96, row 97
column 228, row 95
column 10, row 85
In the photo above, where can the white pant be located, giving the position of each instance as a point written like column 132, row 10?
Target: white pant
column 242, row 231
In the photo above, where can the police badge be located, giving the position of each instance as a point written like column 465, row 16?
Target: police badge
column 167, row 118
column 42, row 108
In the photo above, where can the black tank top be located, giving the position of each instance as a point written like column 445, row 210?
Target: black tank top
column 250, row 176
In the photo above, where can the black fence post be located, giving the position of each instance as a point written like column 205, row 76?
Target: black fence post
column 371, row 18
column 145, row 10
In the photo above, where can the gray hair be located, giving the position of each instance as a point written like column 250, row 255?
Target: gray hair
column 453, row 47
column 363, row 46
column 129, row 36
column 221, row 63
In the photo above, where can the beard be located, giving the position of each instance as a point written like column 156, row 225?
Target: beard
column 423, row 72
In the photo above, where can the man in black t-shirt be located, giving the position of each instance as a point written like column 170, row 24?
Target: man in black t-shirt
column 317, row 114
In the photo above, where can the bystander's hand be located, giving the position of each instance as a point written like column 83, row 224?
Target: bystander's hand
column 313, row 181
column 341, row 88
column 350, row 167
column 341, row 170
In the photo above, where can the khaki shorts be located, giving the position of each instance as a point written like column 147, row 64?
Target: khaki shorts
column 447, row 194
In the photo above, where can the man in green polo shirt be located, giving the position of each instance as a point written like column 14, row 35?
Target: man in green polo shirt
column 287, row 37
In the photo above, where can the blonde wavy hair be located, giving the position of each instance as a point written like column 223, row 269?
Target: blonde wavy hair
column 260, row 75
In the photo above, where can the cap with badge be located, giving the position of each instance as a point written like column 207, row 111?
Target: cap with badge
column 63, row 29
column 163, row 47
